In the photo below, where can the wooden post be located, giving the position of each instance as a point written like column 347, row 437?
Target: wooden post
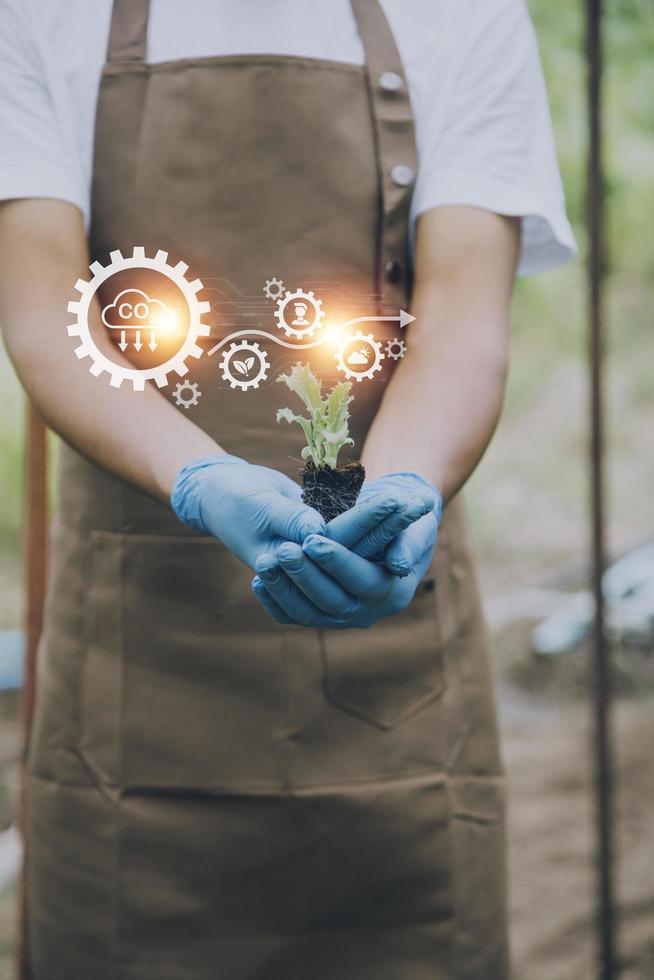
column 35, row 556
column 602, row 688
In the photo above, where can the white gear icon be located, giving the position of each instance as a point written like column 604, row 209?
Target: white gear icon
column 395, row 348
column 256, row 354
column 300, row 327
column 274, row 288
column 369, row 342
column 187, row 393
column 138, row 376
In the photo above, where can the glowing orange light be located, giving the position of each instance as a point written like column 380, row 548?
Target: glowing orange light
column 167, row 322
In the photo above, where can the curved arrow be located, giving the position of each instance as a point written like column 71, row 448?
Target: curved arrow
column 403, row 319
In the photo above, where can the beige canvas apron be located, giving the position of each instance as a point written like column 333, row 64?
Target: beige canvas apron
column 213, row 795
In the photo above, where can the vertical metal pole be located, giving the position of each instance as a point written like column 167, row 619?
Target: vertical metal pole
column 35, row 544
column 601, row 662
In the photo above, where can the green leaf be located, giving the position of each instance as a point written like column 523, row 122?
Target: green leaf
column 310, row 453
column 304, row 383
column 338, row 400
column 334, row 442
column 342, row 436
column 286, row 415
column 326, row 431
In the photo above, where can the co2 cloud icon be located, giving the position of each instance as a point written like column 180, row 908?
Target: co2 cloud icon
column 133, row 309
column 186, row 329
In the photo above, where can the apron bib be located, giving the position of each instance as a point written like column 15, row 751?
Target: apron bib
column 212, row 795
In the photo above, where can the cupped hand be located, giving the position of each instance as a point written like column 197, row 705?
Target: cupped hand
column 250, row 508
column 323, row 584
column 401, row 538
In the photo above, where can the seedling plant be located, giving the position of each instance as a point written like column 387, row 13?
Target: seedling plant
column 329, row 488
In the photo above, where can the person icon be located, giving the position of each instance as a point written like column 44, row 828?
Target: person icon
column 300, row 315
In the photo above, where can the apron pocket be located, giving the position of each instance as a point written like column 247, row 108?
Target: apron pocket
column 326, row 884
column 184, row 683
column 388, row 673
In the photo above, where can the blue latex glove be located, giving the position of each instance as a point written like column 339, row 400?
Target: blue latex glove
column 366, row 519
column 402, row 538
column 328, row 586
column 251, row 509
column 322, row 584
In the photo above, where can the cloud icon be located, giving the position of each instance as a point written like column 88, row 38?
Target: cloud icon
column 359, row 357
column 132, row 309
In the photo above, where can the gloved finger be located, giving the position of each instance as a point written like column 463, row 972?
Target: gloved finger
column 287, row 595
column 354, row 524
column 289, row 488
column 373, row 544
column 269, row 604
column 361, row 578
column 291, row 519
column 412, row 546
column 322, row 590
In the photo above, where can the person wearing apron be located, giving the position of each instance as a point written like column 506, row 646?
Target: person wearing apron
column 211, row 794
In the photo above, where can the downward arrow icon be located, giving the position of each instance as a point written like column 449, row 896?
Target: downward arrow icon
column 137, row 341
column 153, row 343
column 123, row 342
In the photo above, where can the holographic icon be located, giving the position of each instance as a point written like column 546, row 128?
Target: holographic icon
column 299, row 313
column 395, row 348
column 187, row 394
column 359, row 356
column 244, row 365
column 134, row 311
column 189, row 347
column 274, row 288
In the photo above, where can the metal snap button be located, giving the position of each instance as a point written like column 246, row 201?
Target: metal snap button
column 393, row 271
column 390, row 81
column 402, row 174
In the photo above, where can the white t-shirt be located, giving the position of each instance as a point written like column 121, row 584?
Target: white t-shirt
column 482, row 120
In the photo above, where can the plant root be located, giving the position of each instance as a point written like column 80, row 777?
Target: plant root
column 331, row 492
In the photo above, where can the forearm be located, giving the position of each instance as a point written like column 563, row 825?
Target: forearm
column 139, row 436
column 443, row 402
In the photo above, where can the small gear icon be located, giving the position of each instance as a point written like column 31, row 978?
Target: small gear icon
column 302, row 303
column 138, row 376
column 367, row 357
column 242, row 359
column 395, row 348
column 187, row 393
column 274, row 288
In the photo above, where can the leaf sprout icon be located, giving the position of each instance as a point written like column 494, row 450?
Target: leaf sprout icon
column 244, row 367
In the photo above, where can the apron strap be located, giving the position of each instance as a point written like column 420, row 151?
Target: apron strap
column 395, row 146
column 128, row 34
column 392, row 119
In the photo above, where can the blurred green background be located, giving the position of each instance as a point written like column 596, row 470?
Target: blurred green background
column 529, row 497
column 529, row 506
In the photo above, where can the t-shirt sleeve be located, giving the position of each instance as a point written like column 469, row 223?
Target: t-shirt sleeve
column 37, row 157
column 495, row 149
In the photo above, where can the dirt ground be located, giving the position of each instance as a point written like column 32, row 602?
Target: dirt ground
column 551, row 837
